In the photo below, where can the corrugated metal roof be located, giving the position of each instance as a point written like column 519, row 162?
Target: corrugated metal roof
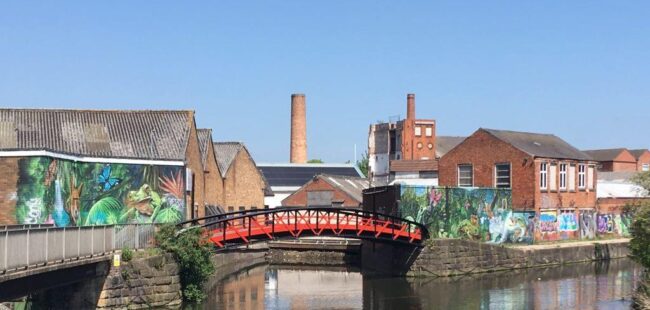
column 413, row 165
column 604, row 154
column 296, row 175
column 352, row 186
column 444, row 144
column 159, row 135
column 226, row 153
column 539, row 145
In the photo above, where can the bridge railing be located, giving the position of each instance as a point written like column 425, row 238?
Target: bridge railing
column 21, row 249
column 135, row 236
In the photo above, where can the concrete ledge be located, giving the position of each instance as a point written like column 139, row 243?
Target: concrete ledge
column 34, row 270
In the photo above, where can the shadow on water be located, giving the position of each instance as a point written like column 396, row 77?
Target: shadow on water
column 606, row 285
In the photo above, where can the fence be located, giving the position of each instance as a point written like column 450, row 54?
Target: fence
column 135, row 236
column 25, row 226
column 39, row 246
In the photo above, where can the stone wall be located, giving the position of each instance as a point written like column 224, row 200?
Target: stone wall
column 449, row 257
column 143, row 283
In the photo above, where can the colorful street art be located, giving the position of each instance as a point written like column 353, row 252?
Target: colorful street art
column 67, row 193
column 477, row 214
column 567, row 221
column 587, row 224
column 614, row 223
column 548, row 223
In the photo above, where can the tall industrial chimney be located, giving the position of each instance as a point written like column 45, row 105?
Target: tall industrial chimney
column 410, row 106
column 298, row 129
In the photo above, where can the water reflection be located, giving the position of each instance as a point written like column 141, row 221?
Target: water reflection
column 577, row 286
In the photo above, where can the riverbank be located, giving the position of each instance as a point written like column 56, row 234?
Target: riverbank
column 451, row 257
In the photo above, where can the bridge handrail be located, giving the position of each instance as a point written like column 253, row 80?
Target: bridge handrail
column 21, row 249
column 231, row 216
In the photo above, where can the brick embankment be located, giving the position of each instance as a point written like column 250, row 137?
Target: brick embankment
column 449, row 257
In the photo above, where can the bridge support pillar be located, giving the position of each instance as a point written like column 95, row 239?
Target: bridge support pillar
column 387, row 258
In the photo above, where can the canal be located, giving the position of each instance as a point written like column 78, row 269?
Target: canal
column 603, row 285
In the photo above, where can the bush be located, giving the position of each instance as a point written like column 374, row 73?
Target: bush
column 192, row 252
column 127, row 254
column 640, row 231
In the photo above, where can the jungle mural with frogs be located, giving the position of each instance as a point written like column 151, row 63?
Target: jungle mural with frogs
column 68, row 193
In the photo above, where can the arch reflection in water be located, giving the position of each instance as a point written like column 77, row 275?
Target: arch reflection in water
column 586, row 286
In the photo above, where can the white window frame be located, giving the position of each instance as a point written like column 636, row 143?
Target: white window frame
column 582, row 176
column 563, row 176
column 428, row 131
column 418, row 131
column 496, row 175
column 543, row 176
column 645, row 167
column 471, row 175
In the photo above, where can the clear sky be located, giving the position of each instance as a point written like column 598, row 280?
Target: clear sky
column 577, row 69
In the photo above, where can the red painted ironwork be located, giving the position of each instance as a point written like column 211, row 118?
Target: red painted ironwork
column 260, row 225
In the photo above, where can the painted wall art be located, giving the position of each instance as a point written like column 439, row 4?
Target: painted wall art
column 568, row 225
column 587, row 224
column 548, row 225
column 471, row 213
column 614, row 224
column 67, row 193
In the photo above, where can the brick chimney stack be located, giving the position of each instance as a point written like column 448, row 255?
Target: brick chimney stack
column 298, row 129
column 410, row 106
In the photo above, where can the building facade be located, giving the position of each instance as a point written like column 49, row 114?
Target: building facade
column 329, row 191
column 213, row 183
column 642, row 157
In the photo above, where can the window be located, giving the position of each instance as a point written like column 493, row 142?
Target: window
column 319, row 198
column 645, row 167
column 502, row 175
column 543, row 176
column 582, row 176
column 572, row 178
column 552, row 177
column 465, row 176
column 590, row 176
column 563, row 177
column 418, row 131
column 231, row 209
column 428, row 131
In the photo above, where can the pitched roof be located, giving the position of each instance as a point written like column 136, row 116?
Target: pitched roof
column 413, row 165
column 539, row 145
column 296, row 175
column 638, row 153
column 353, row 186
column 159, row 135
column 205, row 142
column 444, row 144
column 604, row 154
column 226, row 153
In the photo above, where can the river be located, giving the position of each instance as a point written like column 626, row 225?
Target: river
column 605, row 285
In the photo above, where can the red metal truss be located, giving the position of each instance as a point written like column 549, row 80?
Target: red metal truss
column 259, row 225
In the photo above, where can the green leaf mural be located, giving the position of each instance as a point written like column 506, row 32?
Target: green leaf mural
column 104, row 212
column 168, row 215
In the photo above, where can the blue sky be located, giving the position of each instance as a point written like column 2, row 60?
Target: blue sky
column 578, row 69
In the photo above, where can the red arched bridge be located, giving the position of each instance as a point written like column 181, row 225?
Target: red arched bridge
column 249, row 226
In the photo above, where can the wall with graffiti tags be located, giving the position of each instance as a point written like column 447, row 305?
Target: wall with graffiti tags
column 67, row 193
column 614, row 224
column 471, row 213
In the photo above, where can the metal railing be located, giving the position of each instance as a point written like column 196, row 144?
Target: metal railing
column 25, row 226
column 22, row 249
column 135, row 236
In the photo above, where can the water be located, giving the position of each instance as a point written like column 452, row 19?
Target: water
column 577, row 286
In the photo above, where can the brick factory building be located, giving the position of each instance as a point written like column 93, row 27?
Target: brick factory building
column 214, row 195
column 244, row 186
column 642, row 157
column 329, row 191
column 93, row 167
column 543, row 171
column 613, row 160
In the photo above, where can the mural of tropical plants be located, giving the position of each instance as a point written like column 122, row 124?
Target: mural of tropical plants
column 67, row 193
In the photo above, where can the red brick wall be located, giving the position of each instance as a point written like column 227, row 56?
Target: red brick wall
column 644, row 159
column 547, row 199
column 483, row 151
column 193, row 161
column 624, row 166
column 299, row 198
column 417, row 147
column 8, row 189
column 213, row 182
column 243, row 185
column 615, row 205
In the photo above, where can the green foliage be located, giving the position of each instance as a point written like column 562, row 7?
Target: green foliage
column 106, row 211
column 167, row 215
column 192, row 253
column 127, row 254
column 640, row 228
column 315, row 161
column 363, row 163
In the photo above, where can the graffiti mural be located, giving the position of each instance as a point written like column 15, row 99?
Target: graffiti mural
column 587, row 224
column 568, row 225
column 67, row 193
column 614, row 223
column 548, row 223
column 471, row 213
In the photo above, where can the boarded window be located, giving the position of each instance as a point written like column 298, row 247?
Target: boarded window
column 590, row 177
column 319, row 198
column 428, row 131
column 572, row 177
column 502, row 175
column 552, row 179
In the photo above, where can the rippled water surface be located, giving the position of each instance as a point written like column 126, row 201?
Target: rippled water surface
column 577, row 286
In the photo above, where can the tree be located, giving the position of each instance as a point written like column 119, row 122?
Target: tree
column 640, row 229
column 362, row 164
column 315, row 161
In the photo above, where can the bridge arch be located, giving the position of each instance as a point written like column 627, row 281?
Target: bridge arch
column 244, row 227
